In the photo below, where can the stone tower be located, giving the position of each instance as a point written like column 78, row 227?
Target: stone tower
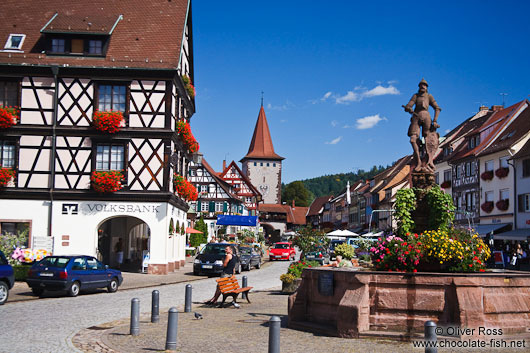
column 262, row 165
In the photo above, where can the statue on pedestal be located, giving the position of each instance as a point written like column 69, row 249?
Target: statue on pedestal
column 420, row 122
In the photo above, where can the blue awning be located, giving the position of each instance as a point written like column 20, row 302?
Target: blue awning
column 485, row 229
column 229, row 220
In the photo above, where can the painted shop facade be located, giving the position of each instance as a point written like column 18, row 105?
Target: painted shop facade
column 64, row 67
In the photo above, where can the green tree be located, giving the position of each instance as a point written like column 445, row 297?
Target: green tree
column 309, row 240
column 201, row 226
column 298, row 192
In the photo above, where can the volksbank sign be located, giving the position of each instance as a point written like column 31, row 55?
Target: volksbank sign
column 91, row 208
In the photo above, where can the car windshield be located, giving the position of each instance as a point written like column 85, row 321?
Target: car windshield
column 214, row 249
column 281, row 246
column 54, row 261
column 245, row 251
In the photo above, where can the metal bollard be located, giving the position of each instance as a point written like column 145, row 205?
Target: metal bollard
column 155, row 300
column 430, row 336
column 245, row 284
column 274, row 334
column 172, row 324
column 135, row 317
column 187, row 299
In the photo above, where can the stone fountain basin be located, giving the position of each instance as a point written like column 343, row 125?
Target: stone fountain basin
column 364, row 303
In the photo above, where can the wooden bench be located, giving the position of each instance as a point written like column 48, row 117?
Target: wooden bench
column 229, row 287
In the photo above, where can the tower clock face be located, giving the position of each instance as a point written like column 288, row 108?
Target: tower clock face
column 264, row 189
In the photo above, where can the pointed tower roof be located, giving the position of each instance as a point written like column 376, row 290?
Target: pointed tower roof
column 261, row 144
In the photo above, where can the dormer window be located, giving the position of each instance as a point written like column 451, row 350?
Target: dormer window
column 58, row 46
column 14, row 42
column 95, row 47
column 474, row 141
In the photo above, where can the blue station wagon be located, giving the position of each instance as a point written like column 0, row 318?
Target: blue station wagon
column 7, row 278
column 72, row 274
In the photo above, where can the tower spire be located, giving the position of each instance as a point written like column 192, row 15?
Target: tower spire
column 262, row 98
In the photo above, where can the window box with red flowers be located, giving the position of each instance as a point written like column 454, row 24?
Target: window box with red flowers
column 487, row 206
column 6, row 175
column 184, row 188
column 190, row 89
column 109, row 122
column 502, row 205
column 446, row 184
column 106, row 181
column 184, row 130
column 502, row 172
column 487, row 175
column 9, row 116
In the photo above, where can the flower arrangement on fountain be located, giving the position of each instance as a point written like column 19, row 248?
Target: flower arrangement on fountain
column 190, row 89
column 184, row 130
column 443, row 248
column 106, row 181
column 184, row 188
column 9, row 116
column 6, row 175
column 109, row 122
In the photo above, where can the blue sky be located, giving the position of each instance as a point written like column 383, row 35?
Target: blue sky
column 336, row 73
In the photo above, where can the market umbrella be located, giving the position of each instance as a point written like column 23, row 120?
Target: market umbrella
column 191, row 231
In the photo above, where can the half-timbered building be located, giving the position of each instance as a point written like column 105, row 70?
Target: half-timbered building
column 61, row 63
column 216, row 196
column 242, row 187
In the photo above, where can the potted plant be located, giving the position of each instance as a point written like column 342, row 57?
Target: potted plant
column 487, row 175
column 446, row 184
column 292, row 279
column 106, row 181
column 190, row 89
column 502, row 205
column 487, row 206
column 109, row 122
column 6, row 175
column 189, row 141
column 9, row 116
column 502, row 172
column 184, row 188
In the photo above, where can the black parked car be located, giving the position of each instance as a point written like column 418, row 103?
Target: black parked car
column 72, row 274
column 249, row 258
column 7, row 278
column 210, row 259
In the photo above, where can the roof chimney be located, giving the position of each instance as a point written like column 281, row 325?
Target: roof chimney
column 496, row 108
column 482, row 107
column 224, row 164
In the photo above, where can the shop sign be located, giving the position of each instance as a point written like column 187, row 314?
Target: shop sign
column 73, row 208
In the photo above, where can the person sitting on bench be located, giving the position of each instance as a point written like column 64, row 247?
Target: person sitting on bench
column 229, row 265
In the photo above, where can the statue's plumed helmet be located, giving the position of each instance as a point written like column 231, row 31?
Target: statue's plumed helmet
column 423, row 82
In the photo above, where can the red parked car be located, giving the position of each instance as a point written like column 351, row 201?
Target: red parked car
column 282, row 251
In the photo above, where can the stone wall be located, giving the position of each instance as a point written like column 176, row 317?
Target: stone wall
column 364, row 302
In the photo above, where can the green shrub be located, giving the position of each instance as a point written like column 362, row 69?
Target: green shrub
column 345, row 250
column 297, row 268
column 21, row 272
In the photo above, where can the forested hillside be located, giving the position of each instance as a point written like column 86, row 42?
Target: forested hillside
column 333, row 184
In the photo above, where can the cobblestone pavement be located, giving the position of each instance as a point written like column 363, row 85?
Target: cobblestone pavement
column 48, row 324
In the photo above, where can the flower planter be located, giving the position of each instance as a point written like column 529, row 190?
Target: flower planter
column 9, row 116
column 189, row 141
column 446, row 184
column 108, row 122
column 502, row 205
column 291, row 287
column 190, row 89
column 502, row 172
column 487, row 175
column 106, row 181
column 184, row 188
column 487, row 206
column 6, row 175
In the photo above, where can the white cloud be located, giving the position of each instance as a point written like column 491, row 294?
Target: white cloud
column 282, row 107
column 335, row 141
column 326, row 96
column 283, row 121
column 381, row 91
column 334, row 123
column 368, row 122
column 347, row 98
column 447, row 131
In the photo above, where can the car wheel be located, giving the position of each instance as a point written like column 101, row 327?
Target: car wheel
column 4, row 292
column 113, row 285
column 258, row 265
column 37, row 291
column 238, row 269
column 74, row 289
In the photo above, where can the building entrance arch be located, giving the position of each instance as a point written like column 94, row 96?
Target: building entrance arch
column 123, row 242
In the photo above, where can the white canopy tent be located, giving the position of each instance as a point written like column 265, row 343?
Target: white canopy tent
column 342, row 233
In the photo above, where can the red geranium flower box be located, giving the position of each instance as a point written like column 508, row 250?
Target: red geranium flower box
column 109, row 122
column 184, row 130
column 487, row 175
column 502, row 205
column 502, row 172
column 9, row 116
column 487, row 206
column 106, row 181
column 446, row 184
column 6, row 175
column 184, row 188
